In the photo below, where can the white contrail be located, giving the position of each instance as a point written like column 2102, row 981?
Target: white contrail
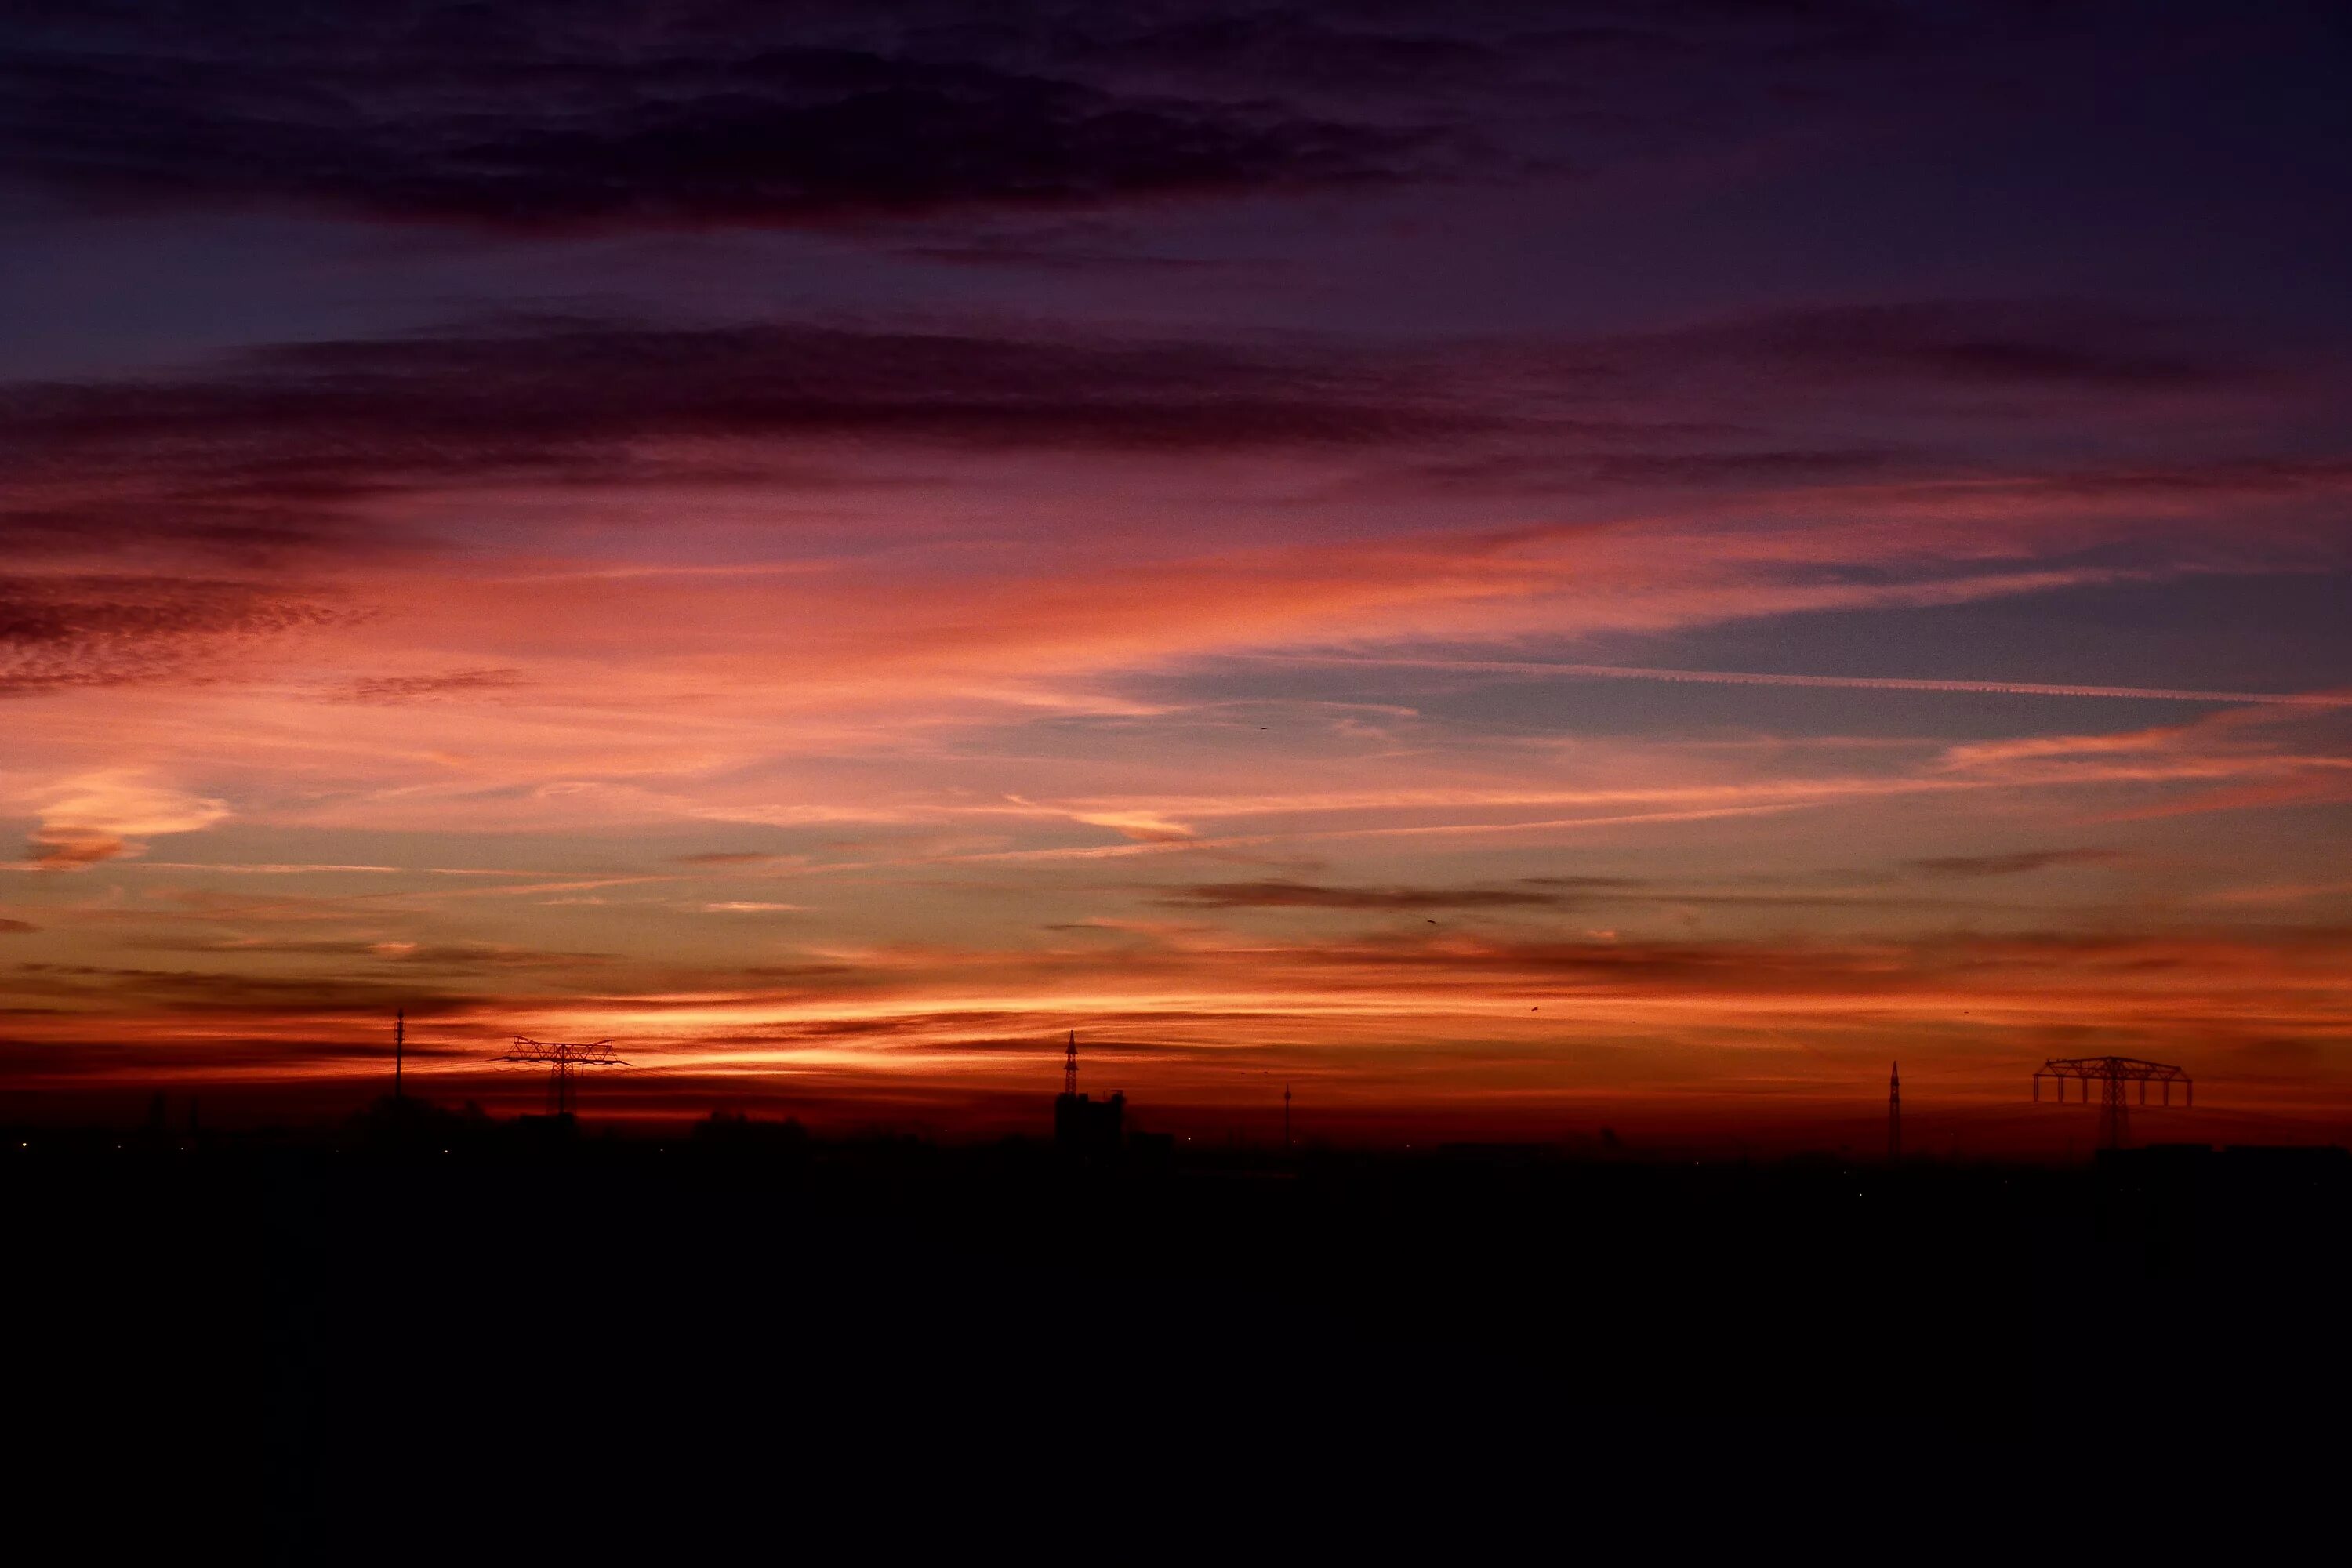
column 1863, row 682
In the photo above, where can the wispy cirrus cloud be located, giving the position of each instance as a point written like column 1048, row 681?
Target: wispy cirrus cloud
column 1832, row 683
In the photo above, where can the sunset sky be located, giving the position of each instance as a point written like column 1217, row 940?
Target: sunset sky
column 1512, row 566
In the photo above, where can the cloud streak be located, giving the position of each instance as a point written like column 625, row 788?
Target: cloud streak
column 284, row 449
column 543, row 120
column 1278, row 894
column 1832, row 682
column 537, row 122
column 2015, row 863
column 67, row 632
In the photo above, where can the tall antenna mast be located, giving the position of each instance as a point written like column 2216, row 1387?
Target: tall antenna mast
column 1285, row 1116
column 399, row 1048
column 1070, row 1066
column 1894, row 1113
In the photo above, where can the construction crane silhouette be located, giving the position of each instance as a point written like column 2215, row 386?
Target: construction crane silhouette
column 2111, row 1073
column 564, row 1061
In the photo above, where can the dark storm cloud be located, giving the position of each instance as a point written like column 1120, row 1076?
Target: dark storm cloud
column 618, row 113
column 2015, row 863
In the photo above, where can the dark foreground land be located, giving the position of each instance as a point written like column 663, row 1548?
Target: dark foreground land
column 381, row 1346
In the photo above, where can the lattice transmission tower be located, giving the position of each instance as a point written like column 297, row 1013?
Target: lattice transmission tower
column 2111, row 1073
column 1895, row 1113
column 564, row 1060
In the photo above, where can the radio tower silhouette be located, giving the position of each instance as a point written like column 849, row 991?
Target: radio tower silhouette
column 564, row 1061
column 1895, row 1112
column 399, row 1048
column 1285, row 1116
column 1070, row 1066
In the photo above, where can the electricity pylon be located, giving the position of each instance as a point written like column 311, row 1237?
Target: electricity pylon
column 564, row 1062
column 2111, row 1073
column 1895, row 1113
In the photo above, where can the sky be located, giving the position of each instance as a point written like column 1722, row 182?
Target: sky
column 1511, row 567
